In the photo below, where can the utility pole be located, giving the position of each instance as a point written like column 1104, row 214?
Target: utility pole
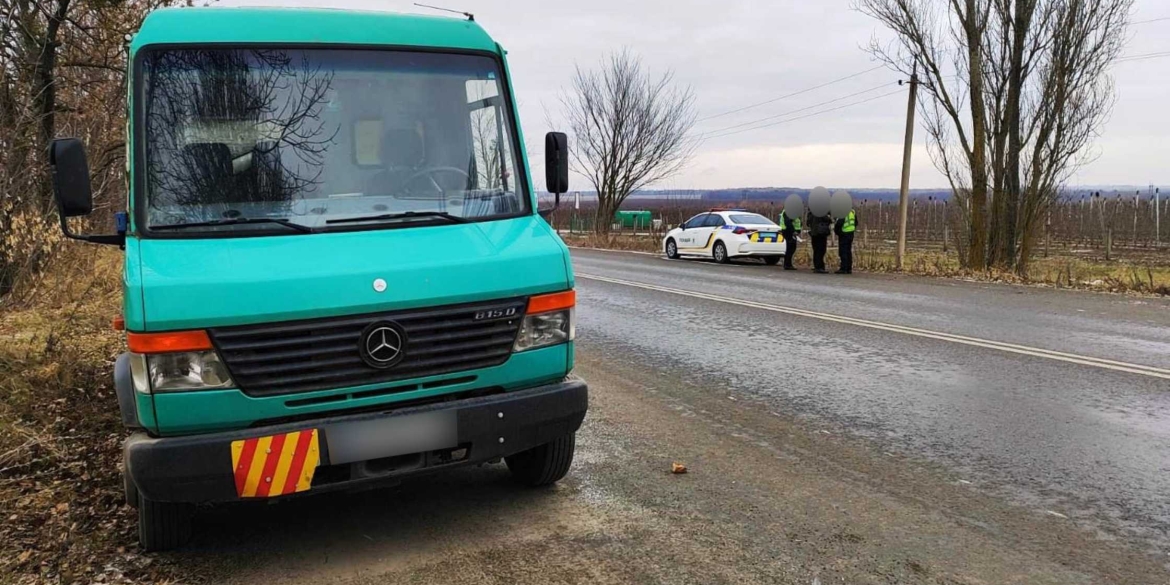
column 904, row 194
column 1157, row 218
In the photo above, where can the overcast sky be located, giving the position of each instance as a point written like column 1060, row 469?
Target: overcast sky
column 735, row 53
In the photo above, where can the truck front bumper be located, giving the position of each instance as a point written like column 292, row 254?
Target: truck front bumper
column 199, row 468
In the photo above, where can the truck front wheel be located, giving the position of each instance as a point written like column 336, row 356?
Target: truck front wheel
column 543, row 465
column 163, row 525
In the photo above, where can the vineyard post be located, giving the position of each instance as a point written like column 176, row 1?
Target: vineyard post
column 1136, row 200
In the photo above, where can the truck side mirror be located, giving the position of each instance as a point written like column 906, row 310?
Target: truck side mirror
column 556, row 168
column 70, row 177
column 71, row 189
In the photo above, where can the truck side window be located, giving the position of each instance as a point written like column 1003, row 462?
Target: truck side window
column 491, row 158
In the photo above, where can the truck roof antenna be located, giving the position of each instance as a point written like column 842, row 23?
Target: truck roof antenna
column 469, row 15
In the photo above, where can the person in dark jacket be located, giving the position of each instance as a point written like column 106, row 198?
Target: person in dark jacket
column 844, row 229
column 819, row 228
column 790, row 229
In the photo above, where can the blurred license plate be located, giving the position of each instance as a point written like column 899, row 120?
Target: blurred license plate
column 768, row 235
column 386, row 437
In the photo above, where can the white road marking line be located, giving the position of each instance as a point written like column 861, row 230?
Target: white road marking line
column 951, row 337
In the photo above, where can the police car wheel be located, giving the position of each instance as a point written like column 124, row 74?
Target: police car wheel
column 671, row 249
column 772, row 260
column 720, row 253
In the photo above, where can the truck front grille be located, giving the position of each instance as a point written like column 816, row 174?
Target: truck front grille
column 321, row 354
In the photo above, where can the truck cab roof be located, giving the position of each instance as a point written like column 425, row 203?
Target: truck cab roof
column 308, row 26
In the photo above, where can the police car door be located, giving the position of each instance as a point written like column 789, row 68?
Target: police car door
column 709, row 232
column 689, row 236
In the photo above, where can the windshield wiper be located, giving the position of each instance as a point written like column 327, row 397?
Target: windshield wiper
column 236, row 221
column 403, row 215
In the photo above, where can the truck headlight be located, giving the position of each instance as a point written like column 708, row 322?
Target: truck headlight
column 546, row 329
column 175, row 362
column 189, row 370
column 550, row 319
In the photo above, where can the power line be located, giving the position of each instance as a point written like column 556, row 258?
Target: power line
column 783, row 97
column 789, row 113
column 841, row 107
column 1143, row 57
column 1151, row 20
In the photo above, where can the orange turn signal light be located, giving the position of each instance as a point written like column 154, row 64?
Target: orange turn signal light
column 168, row 342
column 552, row 302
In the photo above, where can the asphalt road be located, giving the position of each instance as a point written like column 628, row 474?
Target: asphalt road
column 862, row 429
column 1087, row 438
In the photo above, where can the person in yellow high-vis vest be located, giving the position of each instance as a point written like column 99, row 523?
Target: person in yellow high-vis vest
column 844, row 229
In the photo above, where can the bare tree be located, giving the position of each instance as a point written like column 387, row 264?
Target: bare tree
column 1018, row 88
column 629, row 130
column 62, row 72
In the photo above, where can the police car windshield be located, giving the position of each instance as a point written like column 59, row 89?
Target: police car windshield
column 750, row 218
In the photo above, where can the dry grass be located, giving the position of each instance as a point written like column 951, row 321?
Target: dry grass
column 1063, row 271
column 613, row 242
column 1055, row 271
column 60, row 436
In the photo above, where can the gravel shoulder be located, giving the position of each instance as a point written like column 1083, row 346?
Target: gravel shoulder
column 767, row 499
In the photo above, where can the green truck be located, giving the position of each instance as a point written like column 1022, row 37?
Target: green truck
column 336, row 273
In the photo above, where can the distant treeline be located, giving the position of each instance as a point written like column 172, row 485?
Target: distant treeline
column 654, row 198
column 782, row 193
column 759, row 194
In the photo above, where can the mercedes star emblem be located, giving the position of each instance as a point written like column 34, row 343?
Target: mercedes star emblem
column 383, row 344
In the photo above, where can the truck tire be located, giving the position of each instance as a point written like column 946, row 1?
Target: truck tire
column 130, row 489
column 543, row 465
column 163, row 525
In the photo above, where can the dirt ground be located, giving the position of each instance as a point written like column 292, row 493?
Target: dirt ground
column 765, row 500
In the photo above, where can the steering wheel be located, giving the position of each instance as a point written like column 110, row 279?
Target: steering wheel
column 430, row 173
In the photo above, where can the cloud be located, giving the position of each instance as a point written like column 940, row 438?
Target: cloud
column 869, row 165
column 739, row 52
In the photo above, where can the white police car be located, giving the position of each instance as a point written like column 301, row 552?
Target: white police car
column 726, row 234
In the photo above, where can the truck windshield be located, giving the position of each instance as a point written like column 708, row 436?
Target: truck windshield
column 310, row 136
